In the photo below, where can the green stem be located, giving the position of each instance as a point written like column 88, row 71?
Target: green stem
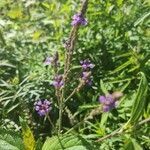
column 50, row 121
column 122, row 130
column 60, row 115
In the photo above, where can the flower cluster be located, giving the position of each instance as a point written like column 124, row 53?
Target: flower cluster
column 108, row 102
column 54, row 60
column 78, row 19
column 86, row 73
column 86, row 64
column 58, row 81
column 42, row 107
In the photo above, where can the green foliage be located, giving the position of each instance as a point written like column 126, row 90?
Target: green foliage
column 116, row 40
column 67, row 142
column 139, row 100
column 28, row 138
column 10, row 141
column 131, row 144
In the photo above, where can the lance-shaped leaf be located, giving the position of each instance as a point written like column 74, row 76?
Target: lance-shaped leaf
column 139, row 101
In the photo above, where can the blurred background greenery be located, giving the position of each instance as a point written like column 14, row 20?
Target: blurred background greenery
column 116, row 40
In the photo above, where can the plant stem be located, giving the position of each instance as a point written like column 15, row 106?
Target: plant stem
column 70, row 44
column 114, row 133
column 74, row 91
column 60, row 115
column 118, row 131
column 50, row 121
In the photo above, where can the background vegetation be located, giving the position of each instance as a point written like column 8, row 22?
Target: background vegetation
column 116, row 40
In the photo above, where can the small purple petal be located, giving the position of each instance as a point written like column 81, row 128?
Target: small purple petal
column 41, row 112
column 91, row 66
column 37, row 108
column 46, row 102
column 110, row 99
column 84, row 22
column 58, row 81
column 39, row 102
column 86, row 64
column 89, row 82
column 81, row 62
column 78, row 19
column 108, row 102
column 61, row 83
column 102, row 99
column 48, row 60
column 106, row 108
column 85, row 74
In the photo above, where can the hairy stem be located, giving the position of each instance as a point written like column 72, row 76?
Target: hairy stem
column 70, row 44
column 60, row 115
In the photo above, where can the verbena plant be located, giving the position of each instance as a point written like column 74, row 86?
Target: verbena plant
column 90, row 93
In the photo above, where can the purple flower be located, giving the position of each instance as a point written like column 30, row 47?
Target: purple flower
column 88, row 82
column 86, row 73
column 108, row 102
column 106, row 108
column 48, row 60
column 52, row 60
column 86, row 77
column 78, row 19
column 58, row 81
column 86, row 64
column 42, row 107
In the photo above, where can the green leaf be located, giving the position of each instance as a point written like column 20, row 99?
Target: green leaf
column 104, row 119
column 136, row 145
column 13, row 107
column 27, row 134
column 119, row 2
column 67, row 142
column 4, row 145
column 15, row 13
column 10, row 141
column 131, row 144
column 39, row 144
column 103, row 87
column 77, row 148
column 3, row 3
column 142, row 18
column 139, row 100
column 123, row 66
column 4, row 63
